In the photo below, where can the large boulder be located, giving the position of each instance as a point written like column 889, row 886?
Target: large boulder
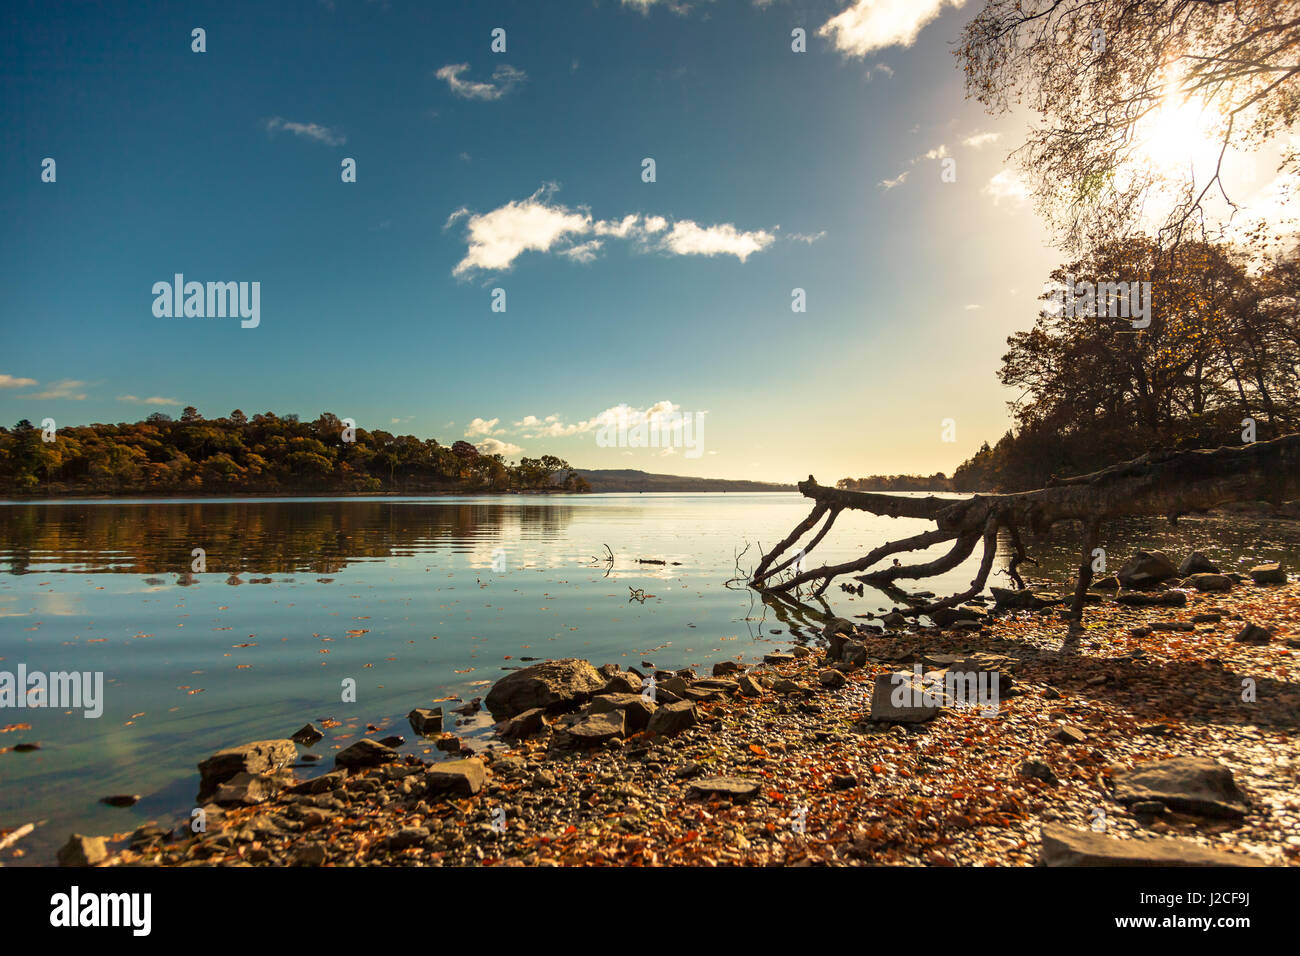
column 1147, row 569
column 1191, row 784
column 552, row 685
column 260, row 756
column 1065, row 846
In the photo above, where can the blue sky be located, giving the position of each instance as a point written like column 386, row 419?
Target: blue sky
column 521, row 171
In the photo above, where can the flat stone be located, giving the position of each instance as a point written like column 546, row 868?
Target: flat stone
column 1270, row 573
column 1209, row 582
column 594, row 729
column 732, row 788
column 898, row 698
column 1191, row 784
column 637, row 710
column 364, row 753
column 461, row 777
column 831, row 679
column 1066, row 846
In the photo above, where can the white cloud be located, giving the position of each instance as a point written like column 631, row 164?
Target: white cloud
column 492, row 446
column 497, row 238
column 480, row 427
column 898, row 180
column 976, row 140
column 971, row 307
column 939, row 152
column 586, row 252
column 154, row 400
column 67, row 388
column 504, row 79
column 870, row 25
column 322, row 134
column 690, row 239
column 1009, row 185
column 9, row 381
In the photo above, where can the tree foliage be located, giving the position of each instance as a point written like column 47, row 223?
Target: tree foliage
column 266, row 454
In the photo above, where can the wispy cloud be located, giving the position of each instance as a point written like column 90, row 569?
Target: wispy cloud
column 898, row 180
column 154, row 400
column 67, row 388
column 976, row 140
column 504, row 79
column 1008, row 185
column 10, row 381
column 497, row 238
column 870, row 25
column 321, row 134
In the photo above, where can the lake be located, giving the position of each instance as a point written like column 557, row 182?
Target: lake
column 415, row 600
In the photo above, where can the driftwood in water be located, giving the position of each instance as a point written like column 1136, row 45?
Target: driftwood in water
column 1165, row 483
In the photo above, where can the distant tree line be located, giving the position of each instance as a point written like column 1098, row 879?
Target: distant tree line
column 265, row 454
column 936, row 482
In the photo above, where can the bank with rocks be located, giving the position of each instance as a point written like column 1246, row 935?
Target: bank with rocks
column 1161, row 732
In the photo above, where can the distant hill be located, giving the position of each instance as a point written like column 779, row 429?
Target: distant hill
column 627, row 479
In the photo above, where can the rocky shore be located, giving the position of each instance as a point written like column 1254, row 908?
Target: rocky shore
column 1165, row 731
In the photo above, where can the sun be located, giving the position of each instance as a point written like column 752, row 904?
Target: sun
column 1181, row 135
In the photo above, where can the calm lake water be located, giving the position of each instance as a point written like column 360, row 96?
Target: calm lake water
column 416, row 600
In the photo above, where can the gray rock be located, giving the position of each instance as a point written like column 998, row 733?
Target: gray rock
column 594, row 729
column 637, row 710
column 1070, row 734
column 1271, row 573
column 1206, row 581
column 307, row 735
column 426, row 721
column 247, row 789
column 748, row 687
column 831, row 678
column 899, row 699
column 624, row 682
column 1196, row 563
column 672, row 719
column 1146, row 569
column 732, row 788
column 461, row 777
column 723, row 668
column 364, row 753
column 1253, row 634
column 894, row 619
column 82, row 851
column 260, row 756
column 522, row 725
column 854, row 652
column 1158, row 599
column 552, row 685
column 1191, row 784
column 1066, row 846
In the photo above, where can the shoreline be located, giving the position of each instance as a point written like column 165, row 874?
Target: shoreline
column 781, row 763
